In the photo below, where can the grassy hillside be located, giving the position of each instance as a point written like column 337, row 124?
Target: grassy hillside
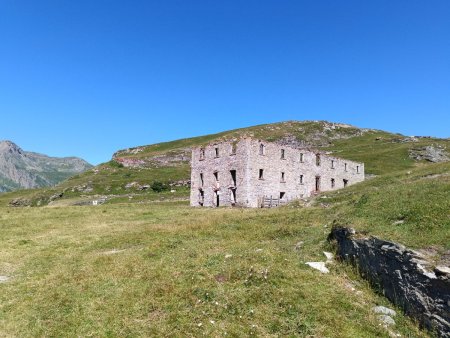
column 160, row 268
column 168, row 162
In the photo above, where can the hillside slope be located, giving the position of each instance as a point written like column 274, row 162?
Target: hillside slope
column 131, row 171
column 24, row 170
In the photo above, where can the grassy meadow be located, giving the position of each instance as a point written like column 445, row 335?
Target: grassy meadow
column 165, row 269
column 146, row 264
column 130, row 270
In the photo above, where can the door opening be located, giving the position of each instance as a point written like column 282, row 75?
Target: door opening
column 317, row 183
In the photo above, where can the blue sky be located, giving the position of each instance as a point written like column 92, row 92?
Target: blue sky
column 89, row 77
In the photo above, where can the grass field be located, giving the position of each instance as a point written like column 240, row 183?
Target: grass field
column 145, row 264
column 126, row 270
column 165, row 269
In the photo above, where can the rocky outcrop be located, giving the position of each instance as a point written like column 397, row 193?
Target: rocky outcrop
column 433, row 154
column 23, row 170
column 405, row 276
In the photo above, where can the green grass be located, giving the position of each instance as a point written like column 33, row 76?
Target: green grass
column 127, row 270
column 156, row 267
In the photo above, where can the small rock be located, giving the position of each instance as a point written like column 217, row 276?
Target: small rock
column 299, row 245
column 386, row 320
column 228, row 256
column 398, row 222
column 329, row 256
column 442, row 270
column 383, row 310
column 259, row 250
column 318, row 266
column 4, row 279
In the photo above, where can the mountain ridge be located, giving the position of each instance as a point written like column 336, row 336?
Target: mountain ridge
column 21, row 169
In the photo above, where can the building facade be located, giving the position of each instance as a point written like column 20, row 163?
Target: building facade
column 246, row 172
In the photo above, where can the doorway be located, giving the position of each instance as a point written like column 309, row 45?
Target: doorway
column 317, row 183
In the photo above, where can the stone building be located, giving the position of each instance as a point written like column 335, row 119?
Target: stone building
column 250, row 172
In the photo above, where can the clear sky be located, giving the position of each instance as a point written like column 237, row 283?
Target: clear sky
column 89, row 77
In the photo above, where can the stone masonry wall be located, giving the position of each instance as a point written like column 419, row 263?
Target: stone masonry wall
column 405, row 277
column 250, row 188
column 222, row 164
column 293, row 166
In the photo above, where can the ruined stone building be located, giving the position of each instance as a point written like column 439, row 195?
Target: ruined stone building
column 254, row 173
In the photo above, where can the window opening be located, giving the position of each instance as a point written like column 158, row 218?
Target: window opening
column 332, row 183
column 261, row 174
column 282, row 194
column 301, row 179
column 332, row 164
column 233, row 177
column 201, row 197
column 202, row 154
column 201, row 180
column 317, row 159
column 301, row 157
column 282, row 154
column 345, row 182
column 261, row 149
column 282, row 177
column 233, row 148
column 217, row 151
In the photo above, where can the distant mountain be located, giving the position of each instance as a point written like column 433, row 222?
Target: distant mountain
column 21, row 169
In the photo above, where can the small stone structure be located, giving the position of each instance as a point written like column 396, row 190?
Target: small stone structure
column 255, row 173
column 406, row 277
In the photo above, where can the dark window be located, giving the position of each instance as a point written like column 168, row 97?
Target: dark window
column 345, row 166
column 216, row 176
column 317, row 159
column 345, row 183
column 233, row 177
column 282, row 154
column 282, row 177
column 261, row 149
column 301, row 157
column 202, row 154
column 357, row 169
column 332, row 183
column 301, row 179
column 261, row 174
column 332, row 164
column 217, row 151
column 201, row 180
column 201, row 197
column 282, row 194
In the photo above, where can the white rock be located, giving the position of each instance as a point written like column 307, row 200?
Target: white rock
column 228, row 256
column 384, row 310
column 386, row 320
column 318, row 266
column 4, row 279
column 329, row 256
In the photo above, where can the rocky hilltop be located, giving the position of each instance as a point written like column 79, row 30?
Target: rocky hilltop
column 21, row 169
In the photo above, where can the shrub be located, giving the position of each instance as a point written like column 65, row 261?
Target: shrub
column 158, row 186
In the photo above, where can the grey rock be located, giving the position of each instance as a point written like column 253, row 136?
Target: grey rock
column 383, row 310
column 387, row 320
column 433, row 154
column 405, row 277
